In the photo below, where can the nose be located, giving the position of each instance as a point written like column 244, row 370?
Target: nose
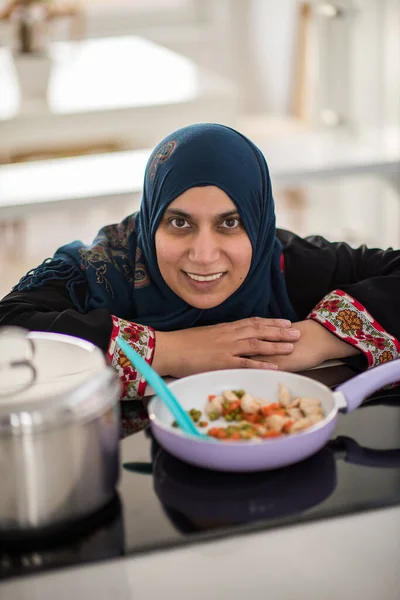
column 204, row 249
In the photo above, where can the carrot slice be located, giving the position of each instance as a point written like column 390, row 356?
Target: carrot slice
column 271, row 434
column 233, row 406
column 270, row 408
column 287, row 426
column 280, row 412
column 213, row 431
column 250, row 417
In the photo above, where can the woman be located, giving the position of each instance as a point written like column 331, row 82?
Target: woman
column 200, row 279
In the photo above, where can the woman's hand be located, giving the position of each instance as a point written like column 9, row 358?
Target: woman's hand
column 316, row 345
column 224, row 346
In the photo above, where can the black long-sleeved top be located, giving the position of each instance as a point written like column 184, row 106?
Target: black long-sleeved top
column 352, row 292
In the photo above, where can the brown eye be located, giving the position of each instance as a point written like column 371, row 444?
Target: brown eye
column 231, row 223
column 179, row 223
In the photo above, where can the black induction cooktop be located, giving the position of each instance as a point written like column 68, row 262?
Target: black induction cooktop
column 162, row 502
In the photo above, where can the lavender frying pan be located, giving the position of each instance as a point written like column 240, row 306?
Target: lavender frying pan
column 246, row 456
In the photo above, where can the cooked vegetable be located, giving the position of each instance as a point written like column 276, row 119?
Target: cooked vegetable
column 250, row 418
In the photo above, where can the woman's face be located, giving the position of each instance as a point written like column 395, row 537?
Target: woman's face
column 203, row 251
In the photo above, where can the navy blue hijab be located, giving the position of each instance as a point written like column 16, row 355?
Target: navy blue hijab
column 120, row 268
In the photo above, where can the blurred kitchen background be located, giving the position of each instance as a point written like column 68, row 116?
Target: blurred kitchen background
column 87, row 88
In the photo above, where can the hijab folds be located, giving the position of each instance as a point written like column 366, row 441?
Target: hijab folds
column 120, row 269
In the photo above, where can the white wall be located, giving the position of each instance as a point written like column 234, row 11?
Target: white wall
column 392, row 62
column 273, row 41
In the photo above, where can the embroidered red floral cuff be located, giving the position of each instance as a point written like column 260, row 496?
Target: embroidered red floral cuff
column 142, row 339
column 350, row 321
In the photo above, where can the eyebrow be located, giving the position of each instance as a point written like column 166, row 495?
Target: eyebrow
column 182, row 213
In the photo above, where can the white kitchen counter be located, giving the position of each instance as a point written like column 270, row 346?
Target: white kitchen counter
column 346, row 558
column 28, row 187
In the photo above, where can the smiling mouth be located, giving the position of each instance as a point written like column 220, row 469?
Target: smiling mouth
column 212, row 277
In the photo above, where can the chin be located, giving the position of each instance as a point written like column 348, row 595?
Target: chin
column 203, row 304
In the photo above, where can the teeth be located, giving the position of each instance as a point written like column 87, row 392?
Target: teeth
column 206, row 278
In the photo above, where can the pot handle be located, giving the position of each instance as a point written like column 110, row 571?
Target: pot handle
column 359, row 455
column 360, row 387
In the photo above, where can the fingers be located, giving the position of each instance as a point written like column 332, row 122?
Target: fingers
column 268, row 333
column 277, row 330
column 254, row 346
column 258, row 323
column 272, row 330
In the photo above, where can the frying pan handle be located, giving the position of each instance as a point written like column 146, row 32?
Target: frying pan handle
column 360, row 387
column 358, row 455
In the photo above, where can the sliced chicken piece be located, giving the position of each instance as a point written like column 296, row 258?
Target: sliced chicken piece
column 230, row 396
column 310, row 411
column 262, row 429
column 284, row 396
column 316, row 418
column 214, row 406
column 249, row 404
column 294, row 403
column 300, row 425
column 310, row 401
column 294, row 413
column 309, row 406
column 276, row 422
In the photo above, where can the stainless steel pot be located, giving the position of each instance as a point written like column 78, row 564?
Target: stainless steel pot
column 59, row 434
